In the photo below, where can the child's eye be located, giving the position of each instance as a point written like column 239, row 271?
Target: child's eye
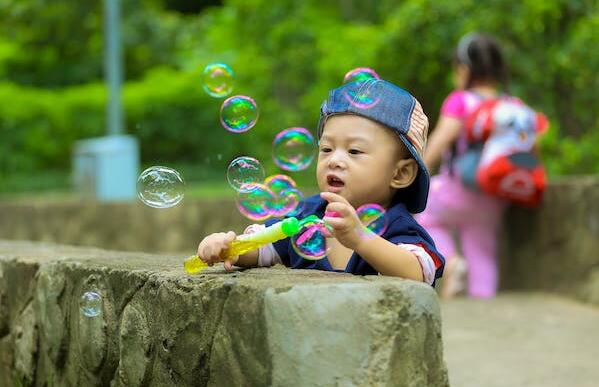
column 355, row 151
column 325, row 149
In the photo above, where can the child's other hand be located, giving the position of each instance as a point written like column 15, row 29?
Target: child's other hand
column 346, row 225
column 213, row 249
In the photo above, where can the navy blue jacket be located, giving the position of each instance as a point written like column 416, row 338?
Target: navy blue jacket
column 401, row 228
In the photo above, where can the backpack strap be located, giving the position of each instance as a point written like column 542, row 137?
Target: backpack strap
column 454, row 146
column 479, row 124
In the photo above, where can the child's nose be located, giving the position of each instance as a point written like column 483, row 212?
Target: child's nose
column 337, row 160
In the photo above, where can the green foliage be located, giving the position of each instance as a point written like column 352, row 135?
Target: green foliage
column 293, row 52
column 287, row 54
column 60, row 42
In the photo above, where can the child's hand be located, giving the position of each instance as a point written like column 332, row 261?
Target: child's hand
column 213, row 249
column 346, row 225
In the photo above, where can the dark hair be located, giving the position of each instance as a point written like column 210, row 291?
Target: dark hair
column 482, row 54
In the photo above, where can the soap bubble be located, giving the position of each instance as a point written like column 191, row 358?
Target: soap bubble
column 287, row 197
column 293, row 149
column 218, row 80
column 91, row 304
column 364, row 97
column 244, row 171
column 160, row 187
column 255, row 201
column 310, row 242
column 373, row 218
column 238, row 113
column 279, row 183
column 287, row 203
column 293, row 199
column 360, row 74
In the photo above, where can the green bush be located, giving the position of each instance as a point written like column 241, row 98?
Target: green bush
column 168, row 111
column 290, row 53
column 56, row 43
column 287, row 54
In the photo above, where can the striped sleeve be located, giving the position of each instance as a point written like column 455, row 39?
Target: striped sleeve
column 424, row 258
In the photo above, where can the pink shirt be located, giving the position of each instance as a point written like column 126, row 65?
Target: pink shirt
column 459, row 104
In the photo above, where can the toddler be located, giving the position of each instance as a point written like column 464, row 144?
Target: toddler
column 369, row 153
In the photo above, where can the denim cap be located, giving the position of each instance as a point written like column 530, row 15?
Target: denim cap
column 391, row 106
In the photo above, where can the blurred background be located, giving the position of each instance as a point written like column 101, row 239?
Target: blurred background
column 286, row 55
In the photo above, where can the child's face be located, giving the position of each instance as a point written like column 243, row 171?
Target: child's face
column 362, row 160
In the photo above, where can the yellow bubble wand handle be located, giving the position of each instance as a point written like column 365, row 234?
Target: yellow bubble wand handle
column 248, row 242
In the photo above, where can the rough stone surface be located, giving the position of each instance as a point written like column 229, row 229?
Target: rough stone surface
column 160, row 327
column 556, row 247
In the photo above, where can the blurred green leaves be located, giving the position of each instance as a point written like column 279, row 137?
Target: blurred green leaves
column 287, row 54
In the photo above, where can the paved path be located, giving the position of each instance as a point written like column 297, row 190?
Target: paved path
column 521, row 339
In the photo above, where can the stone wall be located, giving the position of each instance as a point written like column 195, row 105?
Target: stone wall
column 551, row 248
column 555, row 247
column 128, row 226
column 161, row 327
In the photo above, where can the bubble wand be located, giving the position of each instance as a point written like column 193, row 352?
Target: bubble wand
column 248, row 242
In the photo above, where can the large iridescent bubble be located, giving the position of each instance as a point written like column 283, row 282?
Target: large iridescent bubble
column 287, row 203
column 373, row 218
column 360, row 74
column 288, row 198
column 91, row 304
column 160, row 187
column 293, row 149
column 255, row 201
column 244, row 171
column 364, row 97
column 238, row 114
column 310, row 242
column 218, row 80
column 279, row 183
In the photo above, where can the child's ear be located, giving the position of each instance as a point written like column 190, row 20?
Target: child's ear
column 405, row 173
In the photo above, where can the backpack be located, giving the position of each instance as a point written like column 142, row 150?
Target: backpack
column 501, row 159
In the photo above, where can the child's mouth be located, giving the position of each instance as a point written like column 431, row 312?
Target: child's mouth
column 334, row 181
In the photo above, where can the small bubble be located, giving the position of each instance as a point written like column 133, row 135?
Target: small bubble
column 279, row 183
column 364, row 97
column 310, row 242
column 293, row 149
column 373, row 218
column 160, row 187
column 243, row 171
column 238, row 114
column 91, row 304
column 218, row 80
column 254, row 201
column 360, row 74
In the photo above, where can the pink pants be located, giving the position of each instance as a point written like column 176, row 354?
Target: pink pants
column 456, row 211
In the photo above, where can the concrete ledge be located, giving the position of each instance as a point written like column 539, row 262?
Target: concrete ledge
column 160, row 327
